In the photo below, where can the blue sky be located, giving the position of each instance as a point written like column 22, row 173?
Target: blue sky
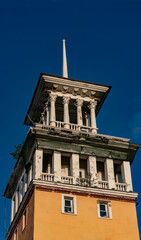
column 103, row 41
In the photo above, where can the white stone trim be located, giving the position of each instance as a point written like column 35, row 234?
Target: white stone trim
column 73, row 198
column 104, row 192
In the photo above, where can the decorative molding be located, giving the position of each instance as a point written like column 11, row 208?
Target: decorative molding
column 66, row 100
column 55, row 87
column 65, row 88
column 52, row 97
column 75, row 91
column 79, row 102
column 93, row 104
column 84, row 91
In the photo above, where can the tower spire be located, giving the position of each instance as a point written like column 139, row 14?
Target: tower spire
column 65, row 70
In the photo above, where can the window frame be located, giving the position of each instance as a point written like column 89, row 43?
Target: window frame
column 16, row 233
column 24, row 219
column 73, row 204
column 107, row 209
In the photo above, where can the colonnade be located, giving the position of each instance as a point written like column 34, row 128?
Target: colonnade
column 91, row 168
column 50, row 112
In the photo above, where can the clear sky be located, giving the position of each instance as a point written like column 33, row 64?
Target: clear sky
column 103, row 41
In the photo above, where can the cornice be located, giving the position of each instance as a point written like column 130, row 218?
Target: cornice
column 90, row 191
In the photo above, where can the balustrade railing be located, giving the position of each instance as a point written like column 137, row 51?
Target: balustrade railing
column 73, row 126
column 68, row 179
column 121, row 187
column 49, row 177
column 103, row 184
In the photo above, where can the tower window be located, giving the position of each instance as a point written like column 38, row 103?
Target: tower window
column 104, row 209
column 69, row 204
column 16, row 234
column 24, row 220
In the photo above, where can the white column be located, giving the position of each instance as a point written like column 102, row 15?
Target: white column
column 79, row 103
column 109, row 173
column 52, row 109
column 74, row 165
column 93, row 117
column 56, row 165
column 12, row 209
column 66, row 112
column 20, row 191
column 37, row 164
column 25, row 182
column 47, row 113
column 16, row 201
column 92, row 169
column 29, row 175
column 126, row 175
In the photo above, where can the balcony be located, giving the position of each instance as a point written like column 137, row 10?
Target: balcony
column 68, row 179
column 121, row 187
column 49, row 177
column 103, row 184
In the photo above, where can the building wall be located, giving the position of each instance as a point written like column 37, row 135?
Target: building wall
column 27, row 233
column 50, row 223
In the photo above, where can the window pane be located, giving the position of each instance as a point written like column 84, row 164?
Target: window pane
column 102, row 207
column 103, row 214
column 67, row 209
column 67, row 203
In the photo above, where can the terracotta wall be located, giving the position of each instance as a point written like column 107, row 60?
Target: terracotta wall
column 27, row 233
column 50, row 223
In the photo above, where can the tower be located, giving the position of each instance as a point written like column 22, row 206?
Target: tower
column 70, row 182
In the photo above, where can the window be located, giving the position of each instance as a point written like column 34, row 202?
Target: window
column 100, row 171
column 24, row 220
column 47, row 163
column 118, row 175
column 69, row 204
column 104, row 209
column 16, row 234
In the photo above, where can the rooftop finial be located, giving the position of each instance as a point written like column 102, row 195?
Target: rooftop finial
column 65, row 70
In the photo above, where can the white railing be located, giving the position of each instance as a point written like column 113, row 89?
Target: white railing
column 73, row 126
column 103, row 184
column 49, row 177
column 59, row 124
column 68, row 179
column 121, row 187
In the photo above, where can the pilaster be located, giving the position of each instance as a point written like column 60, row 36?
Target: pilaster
column 37, row 163
column 126, row 175
column 74, row 165
column 56, row 165
column 109, row 173
column 92, row 169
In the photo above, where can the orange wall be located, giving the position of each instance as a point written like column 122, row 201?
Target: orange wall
column 50, row 223
column 27, row 234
